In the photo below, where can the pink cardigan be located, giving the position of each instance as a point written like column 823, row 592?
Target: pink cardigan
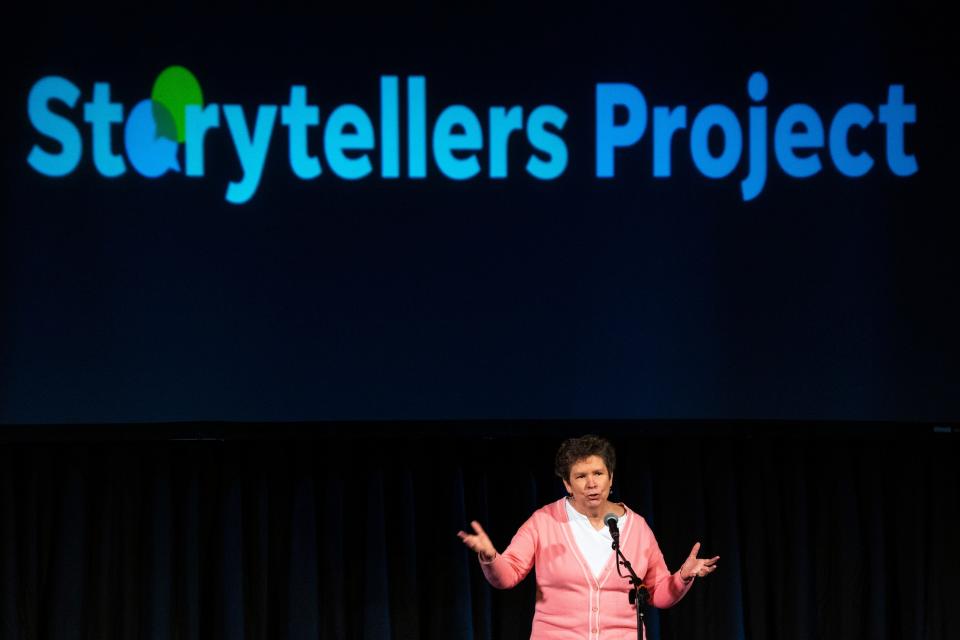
column 571, row 602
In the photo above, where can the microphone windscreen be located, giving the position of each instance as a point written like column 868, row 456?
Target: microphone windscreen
column 610, row 517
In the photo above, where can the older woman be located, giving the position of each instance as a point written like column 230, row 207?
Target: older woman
column 579, row 592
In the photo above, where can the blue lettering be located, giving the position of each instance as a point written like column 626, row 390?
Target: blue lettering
column 199, row 121
column 611, row 135
column 389, row 127
column 101, row 113
column 337, row 140
column 547, row 142
column 894, row 114
column 716, row 115
column 417, row 126
column 666, row 122
column 502, row 124
column 446, row 141
column 251, row 150
column 53, row 126
column 852, row 165
column 297, row 116
column 457, row 138
column 786, row 139
column 752, row 185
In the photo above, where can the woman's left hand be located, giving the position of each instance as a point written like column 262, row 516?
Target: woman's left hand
column 694, row 567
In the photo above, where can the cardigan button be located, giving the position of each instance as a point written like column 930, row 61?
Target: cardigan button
column 596, row 608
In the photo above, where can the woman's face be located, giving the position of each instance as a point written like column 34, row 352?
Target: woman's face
column 589, row 484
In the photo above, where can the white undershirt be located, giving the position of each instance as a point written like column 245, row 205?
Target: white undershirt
column 594, row 545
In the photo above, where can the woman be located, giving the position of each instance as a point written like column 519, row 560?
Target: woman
column 579, row 593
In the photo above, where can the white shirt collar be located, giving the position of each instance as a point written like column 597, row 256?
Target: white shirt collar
column 594, row 544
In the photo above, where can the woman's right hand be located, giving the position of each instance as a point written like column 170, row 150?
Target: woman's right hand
column 479, row 542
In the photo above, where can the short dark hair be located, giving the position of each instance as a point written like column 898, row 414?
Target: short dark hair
column 575, row 449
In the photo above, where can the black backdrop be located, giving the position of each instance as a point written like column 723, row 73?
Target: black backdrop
column 343, row 536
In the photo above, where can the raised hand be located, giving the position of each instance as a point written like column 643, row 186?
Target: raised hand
column 478, row 541
column 694, row 567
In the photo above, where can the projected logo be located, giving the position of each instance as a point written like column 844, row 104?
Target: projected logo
column 462, row 142
column 152, row 135
column 156, row 127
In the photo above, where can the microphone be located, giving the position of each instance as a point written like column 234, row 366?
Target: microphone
column 611, row 521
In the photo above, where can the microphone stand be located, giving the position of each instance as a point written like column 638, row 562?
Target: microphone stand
column 638, row 594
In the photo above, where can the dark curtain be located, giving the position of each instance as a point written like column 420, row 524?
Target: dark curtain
column 353, row 535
